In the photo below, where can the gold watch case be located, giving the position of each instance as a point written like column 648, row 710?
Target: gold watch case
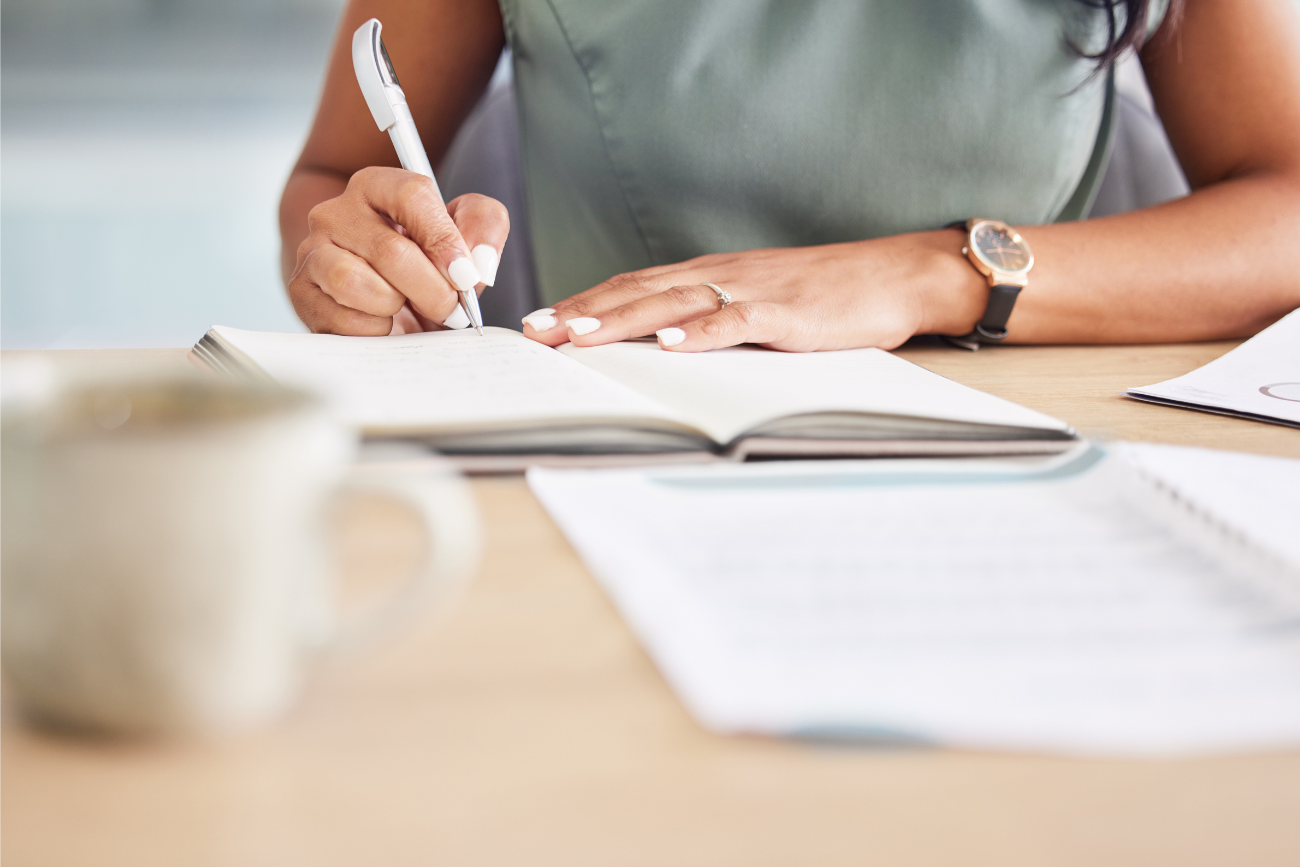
column 998, row 252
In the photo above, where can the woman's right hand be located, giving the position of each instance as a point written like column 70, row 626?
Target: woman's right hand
column 387, row 256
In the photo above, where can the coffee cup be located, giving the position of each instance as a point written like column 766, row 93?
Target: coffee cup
column 165, row 566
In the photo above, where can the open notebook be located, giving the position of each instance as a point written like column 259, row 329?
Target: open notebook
column 505, row 395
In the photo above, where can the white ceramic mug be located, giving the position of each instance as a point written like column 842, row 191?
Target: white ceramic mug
column 164, row 565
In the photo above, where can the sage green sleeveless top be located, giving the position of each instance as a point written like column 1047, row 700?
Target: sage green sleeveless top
column 658, row 130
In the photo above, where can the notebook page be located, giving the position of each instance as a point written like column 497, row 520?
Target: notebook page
column 441, row 378
column 727, row 392
column 992, row 609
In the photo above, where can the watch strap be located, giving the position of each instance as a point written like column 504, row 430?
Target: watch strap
column 992, row 327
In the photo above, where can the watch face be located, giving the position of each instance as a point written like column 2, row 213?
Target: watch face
column 1001, row 246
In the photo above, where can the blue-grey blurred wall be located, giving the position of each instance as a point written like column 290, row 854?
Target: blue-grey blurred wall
column 143, row 147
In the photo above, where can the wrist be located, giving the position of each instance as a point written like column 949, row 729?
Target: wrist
column 953, row 295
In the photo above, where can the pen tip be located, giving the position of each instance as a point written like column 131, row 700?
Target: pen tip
column 479, row 330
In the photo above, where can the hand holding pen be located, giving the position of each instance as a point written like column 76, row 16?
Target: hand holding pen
column 388, row 255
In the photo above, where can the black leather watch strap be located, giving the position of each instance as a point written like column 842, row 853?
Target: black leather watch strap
column 992, row 328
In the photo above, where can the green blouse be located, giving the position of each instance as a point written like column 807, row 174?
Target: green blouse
column 658, row 130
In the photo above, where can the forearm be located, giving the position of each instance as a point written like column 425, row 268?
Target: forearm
column 1219, row 263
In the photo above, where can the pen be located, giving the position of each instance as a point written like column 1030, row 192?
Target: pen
column 387, row 103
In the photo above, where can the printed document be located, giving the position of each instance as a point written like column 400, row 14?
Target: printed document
column 1260, row 379
column 1074, row 607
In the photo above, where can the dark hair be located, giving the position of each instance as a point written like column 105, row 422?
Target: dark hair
column 1134, row 17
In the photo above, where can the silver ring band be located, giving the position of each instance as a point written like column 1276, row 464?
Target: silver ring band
column 724, row 297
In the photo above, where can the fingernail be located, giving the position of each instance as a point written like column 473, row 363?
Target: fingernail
column 486, row 261
column 464, row 274
column 458, row 318
column 583, row 325
column 541, row 320
column 670, row 336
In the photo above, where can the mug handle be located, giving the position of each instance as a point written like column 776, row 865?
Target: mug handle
column 440, row 496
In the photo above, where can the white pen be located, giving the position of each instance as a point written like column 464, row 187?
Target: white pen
column 387, row 103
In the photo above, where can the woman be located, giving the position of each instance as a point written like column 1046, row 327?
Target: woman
column 785, row 174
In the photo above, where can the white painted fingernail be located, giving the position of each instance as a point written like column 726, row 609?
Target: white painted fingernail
column 541, row 320
column 583, row 325
column 458, row 318
column 486, row 261
column 670, row 336
column 464, row 274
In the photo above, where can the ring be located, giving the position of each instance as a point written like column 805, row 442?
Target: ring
column 724, row 297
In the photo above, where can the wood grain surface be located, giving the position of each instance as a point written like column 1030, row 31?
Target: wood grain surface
column 528, row 727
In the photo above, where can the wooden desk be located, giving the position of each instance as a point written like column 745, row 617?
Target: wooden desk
column 531, row 729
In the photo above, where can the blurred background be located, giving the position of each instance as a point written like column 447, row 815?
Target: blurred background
column 144, row 145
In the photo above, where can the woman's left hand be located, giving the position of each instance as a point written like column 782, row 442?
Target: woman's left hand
column 837, row 296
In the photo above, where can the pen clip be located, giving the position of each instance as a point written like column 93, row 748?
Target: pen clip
column 375, row 74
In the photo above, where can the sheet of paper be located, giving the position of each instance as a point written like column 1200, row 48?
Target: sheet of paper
column 991, row 606
column 728, row 391
column 442, row 378
column 1261, row 377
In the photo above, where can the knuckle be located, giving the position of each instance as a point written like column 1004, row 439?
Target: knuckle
column 473, row 200
column 306, row 252
column 713, row 328
column 577, row 307
column 683, row 297
column 485, row 205
column 321, row 216
column 392, row 248
column 497, row 209
column 623, row 281
column 744, row 315
column 368, row 176
column 342, row 274
column 301, row 292
column 430, row 225
column 440, row 234
column 422, row 211
column 418, row 191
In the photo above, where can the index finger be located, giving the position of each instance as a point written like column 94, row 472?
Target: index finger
column 412, row 201
column 547, row 325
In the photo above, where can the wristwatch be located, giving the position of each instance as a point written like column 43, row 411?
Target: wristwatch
column 999, row 253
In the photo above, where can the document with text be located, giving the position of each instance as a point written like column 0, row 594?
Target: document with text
column 1078, row 606
column 1259, row 380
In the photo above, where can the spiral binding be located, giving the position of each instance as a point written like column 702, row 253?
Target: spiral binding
column 1227, row 544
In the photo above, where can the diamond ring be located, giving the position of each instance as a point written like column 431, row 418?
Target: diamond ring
column 724, row 297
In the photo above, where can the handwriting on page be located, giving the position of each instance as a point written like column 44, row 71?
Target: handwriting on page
column 444, row 378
